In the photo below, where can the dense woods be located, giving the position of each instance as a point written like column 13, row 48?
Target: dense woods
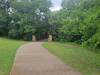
column 20, row 19
column 78, row 20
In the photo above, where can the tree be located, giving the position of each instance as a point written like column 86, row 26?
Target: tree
column 79, row 22
column 30, row 15
column 4, row 5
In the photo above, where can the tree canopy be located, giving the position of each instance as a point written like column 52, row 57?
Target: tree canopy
column 78, row 20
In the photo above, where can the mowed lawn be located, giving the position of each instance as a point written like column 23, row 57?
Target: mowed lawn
column 7, row 53
column 81, row 59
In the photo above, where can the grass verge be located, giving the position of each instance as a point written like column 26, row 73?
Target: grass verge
column 81, row 59
column 7, row 53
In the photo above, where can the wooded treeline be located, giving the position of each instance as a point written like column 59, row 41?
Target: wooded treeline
column 20, row 19
column 78, row 20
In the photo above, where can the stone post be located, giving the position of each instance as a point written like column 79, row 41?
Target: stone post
column 50, row 38
column 33, row 38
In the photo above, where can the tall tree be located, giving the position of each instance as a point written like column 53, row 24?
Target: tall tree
column 4, row 6
column 29, row 14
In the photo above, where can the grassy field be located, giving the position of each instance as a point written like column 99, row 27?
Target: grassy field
column 81, row 59
column 7, row 53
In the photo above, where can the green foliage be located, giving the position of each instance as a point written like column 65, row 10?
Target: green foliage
column 71, row 30
column 79, row 22
column 94, row 42
column 28, row 31
column 13, row 33
column 21, row 20
column 3, row 19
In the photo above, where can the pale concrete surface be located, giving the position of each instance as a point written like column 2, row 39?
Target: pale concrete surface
column 33, row 59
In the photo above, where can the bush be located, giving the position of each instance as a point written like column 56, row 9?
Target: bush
column 14, row 34
column 28, row 36
column 94, row 42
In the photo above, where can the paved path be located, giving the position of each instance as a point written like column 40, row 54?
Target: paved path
column 33, row 59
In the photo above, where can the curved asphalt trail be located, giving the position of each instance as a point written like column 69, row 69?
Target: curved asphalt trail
column 33, row 59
